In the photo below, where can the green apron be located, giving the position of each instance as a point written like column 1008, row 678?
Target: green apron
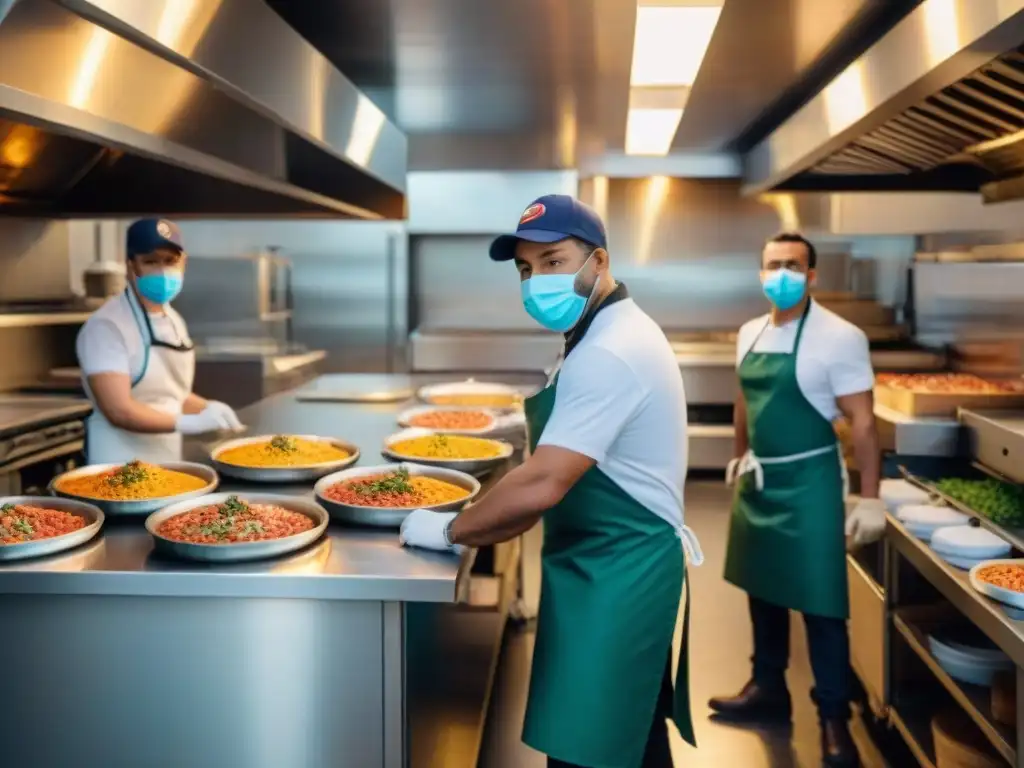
column 612, row 576
column 786, row 540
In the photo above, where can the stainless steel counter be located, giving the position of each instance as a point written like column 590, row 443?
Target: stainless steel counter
column 167, row 664
column 350, row 564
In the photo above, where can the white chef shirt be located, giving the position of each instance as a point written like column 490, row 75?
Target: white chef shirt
column 620, row 401
column 111, row 341
column 833, row 360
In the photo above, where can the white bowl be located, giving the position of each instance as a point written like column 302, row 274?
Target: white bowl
column 969, row 542
column 999, row 594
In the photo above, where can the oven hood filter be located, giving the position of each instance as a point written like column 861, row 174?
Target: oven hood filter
column 209, row 108
column 936, row 105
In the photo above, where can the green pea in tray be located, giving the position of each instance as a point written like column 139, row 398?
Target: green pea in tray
column 1002, row 503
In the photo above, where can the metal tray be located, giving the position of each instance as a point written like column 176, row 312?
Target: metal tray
column 476, row 467
column 234, row 553
column 1004, row 596
column 283, row 474
column 140, row 507
column 405, row 418
column 391, row 517
column 92, row 514
column 427, row 394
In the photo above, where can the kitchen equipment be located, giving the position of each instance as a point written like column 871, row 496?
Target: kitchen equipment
column 969, row 541
column 282, row 474
column 239, row 552
column 923, row 520
column 39, row 437
column 391, row 517
column 915, row 403
column 475, row 467
column 357, row 388
column 136, row 507
column 966, row 664
column 897, row 493
column 959, row 744
column 91, row 513
column 103, row 279
column 997, row 440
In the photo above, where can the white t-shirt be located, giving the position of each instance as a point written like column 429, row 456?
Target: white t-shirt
column 620, row 401
column 833, row 360
column 111, row 341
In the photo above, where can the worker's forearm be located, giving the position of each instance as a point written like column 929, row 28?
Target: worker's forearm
column 194, row 404
column 513, row 506
column 865, row 449
column 134, row 416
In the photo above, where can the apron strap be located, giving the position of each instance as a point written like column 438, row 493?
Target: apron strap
column 691, row 546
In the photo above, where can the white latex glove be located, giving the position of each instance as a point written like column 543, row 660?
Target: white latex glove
column 425, row 529
column 866, row 523
column 227, row 413
column 210, row 419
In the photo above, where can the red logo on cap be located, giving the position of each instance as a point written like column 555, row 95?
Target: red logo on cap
column 535, row 211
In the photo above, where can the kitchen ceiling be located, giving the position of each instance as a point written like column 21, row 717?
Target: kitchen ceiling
column 532, row 84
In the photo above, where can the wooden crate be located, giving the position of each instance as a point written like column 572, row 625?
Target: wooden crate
column 942, row 404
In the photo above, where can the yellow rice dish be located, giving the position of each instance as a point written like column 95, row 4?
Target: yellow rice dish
column 447, row 447
column 478, row 400
column 133, row 481
column 282, row 451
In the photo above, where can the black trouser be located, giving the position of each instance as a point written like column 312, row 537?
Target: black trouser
column 657, row 753
column 829, row 646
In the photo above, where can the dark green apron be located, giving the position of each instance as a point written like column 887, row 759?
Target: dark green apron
column 786, row 541
column 612, row 576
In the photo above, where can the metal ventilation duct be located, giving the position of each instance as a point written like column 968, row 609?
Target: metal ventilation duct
column 937, row 104
column 209, row 108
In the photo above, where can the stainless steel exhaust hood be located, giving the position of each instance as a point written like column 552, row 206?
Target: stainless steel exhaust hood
column 935, row 105
column 208, row 108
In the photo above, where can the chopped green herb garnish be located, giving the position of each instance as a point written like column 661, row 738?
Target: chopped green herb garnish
column 23, row 526
column 233, row 506
column 284, row 444
column 219, row 529
column 252, row 527
column 131, row 473
column 8, row 509
column 396, row 482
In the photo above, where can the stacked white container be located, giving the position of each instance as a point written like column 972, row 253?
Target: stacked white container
column 923, row 520
column 964, row 546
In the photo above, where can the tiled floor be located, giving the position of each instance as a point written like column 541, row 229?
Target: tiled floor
column 720, row 648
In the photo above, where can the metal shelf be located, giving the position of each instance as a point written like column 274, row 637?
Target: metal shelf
column 916, row 734
column 34, row 319
column 1014, row 536
column 953, row 584
column 974, row 699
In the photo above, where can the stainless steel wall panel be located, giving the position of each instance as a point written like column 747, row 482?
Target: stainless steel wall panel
column 473, row 202
column 962, row 300
column 340, row 283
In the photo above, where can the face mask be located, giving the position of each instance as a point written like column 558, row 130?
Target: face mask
column 785, row 288
column 552, row 300
column 161, row 287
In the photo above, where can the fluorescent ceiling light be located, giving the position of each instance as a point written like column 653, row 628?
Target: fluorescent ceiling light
column 670, row 43
column 650, row 131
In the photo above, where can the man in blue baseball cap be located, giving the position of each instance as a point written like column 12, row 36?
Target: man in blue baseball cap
column 138, row 363
column 606, row 473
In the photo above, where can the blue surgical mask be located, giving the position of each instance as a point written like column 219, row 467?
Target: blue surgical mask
column 552, row 300
column 785, row 287
column 162, row 287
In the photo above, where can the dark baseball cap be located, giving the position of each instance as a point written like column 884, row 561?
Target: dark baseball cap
column 147, row 235
column 549, row 219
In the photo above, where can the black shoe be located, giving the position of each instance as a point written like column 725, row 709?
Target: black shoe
column 755, row 704
column 837, row 747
